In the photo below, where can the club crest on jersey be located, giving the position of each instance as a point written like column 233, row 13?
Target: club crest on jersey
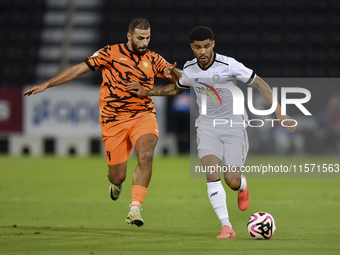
column 216, row 77
column 146, row 64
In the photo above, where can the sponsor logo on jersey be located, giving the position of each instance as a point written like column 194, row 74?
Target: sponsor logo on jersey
column 209, row 93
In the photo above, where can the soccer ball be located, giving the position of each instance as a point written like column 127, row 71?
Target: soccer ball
column 261, row 225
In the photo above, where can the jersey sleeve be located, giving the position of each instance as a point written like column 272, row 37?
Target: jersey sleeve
column 183, row 81
column 99, row 59
column 160, row 64
column 240, row 72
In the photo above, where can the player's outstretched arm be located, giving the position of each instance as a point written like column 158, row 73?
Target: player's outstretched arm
column 64, row 76
column 267, row 93
column 169, row 90
column 172, row 73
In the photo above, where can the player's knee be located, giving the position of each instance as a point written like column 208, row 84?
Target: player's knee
column 117, row 178
column 233, row 183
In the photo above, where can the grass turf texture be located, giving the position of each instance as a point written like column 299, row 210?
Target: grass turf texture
column 55, row 205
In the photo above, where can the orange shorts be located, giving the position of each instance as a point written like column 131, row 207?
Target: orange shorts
column 120, row 136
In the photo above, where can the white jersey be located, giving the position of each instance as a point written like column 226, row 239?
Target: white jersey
column 219, row 101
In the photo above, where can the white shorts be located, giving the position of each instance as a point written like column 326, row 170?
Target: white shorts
column 229, row 145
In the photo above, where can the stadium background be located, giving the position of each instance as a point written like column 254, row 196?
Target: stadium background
column 277, row 39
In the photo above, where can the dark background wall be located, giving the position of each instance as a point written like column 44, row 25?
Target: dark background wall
column 292, row 38
column 21, row 23
column 296, row 38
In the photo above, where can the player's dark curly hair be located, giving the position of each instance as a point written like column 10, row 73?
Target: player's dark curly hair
column 138, row 23
column 201, row 33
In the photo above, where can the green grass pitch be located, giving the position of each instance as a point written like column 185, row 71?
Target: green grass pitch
column 54, row 205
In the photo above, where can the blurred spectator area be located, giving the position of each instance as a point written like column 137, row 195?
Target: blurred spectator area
column 292, row 38
column 21, row 25
column 39, row 38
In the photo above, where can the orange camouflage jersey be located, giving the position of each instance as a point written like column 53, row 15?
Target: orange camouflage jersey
column 119, row 66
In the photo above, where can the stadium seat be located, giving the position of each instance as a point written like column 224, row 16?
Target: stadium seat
column 79, row 146
column 166, row 144
column 20, row 144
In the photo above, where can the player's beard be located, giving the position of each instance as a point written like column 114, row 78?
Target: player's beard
column 138, row 51
column 208, row 57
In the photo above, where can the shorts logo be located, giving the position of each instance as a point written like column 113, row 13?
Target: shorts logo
column 146, row 64
column 156, row 130
column 213, row 194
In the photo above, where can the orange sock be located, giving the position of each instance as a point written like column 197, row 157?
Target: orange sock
column 138, row 194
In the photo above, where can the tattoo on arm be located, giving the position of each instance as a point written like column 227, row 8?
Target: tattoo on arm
column 169, row 90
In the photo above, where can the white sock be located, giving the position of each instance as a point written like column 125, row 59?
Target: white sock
column 217, row 197
column 243, row 183
column 134, row 207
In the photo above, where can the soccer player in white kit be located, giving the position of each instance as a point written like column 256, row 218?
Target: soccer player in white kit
column 218, row 143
